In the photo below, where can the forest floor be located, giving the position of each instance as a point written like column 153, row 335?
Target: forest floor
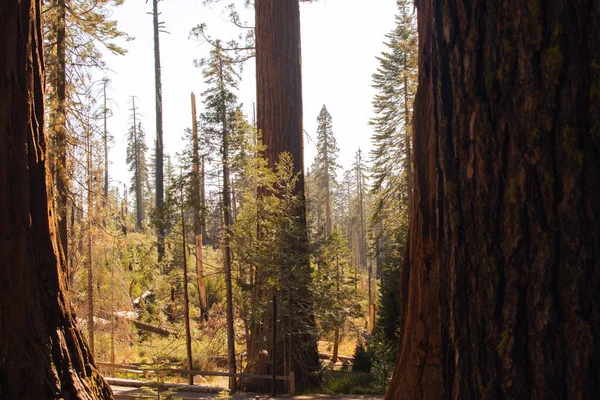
column 125, row 393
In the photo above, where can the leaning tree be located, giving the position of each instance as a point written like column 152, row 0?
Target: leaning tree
column 43, row 354
column 501, row 291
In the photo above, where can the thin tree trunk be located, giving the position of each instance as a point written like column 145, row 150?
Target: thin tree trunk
column 503, row 242
column 328, row 219
column 159, row 175
column 105, row 110
column 139, row 195
column 89, row 261
column 196, row 198
column 44, row 352
column 336, row 336
column 226, row 238
column 363, row 236
column 186, row 299
column 60, row 128
column 279, row 119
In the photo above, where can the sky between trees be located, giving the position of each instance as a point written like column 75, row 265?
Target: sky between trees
column 340, row 40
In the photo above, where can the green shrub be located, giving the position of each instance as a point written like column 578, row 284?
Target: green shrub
column 363, row 358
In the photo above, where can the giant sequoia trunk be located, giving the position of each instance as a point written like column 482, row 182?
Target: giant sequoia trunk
column 279, row 112
column 43, row 354
column 502, row 284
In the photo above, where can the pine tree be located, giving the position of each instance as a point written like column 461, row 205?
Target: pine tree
column 82, row 27
column 395, row 82
column 221, row 76
column 136, row 159
column 334, row 280
column 326, row 164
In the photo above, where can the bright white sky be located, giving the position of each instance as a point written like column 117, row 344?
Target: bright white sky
column 340, row 40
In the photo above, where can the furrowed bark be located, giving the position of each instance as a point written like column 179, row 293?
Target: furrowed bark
column 43, row 353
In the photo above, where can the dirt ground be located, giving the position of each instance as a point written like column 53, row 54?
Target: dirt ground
column 127, row 393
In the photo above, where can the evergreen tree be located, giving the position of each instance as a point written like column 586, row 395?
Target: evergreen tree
column 395, row 82
column 221, row 76
column 326, row 165
column 75, row 31
column 335, row 282
column 136, row 159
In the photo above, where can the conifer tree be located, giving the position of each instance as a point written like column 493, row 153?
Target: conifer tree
column 83, row 28
column 326, row 164
column 395, row 82
column 221, row 76
column 136, row 159
column 334, row 280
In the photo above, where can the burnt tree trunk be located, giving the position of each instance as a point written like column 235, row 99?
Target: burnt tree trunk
column 505, row 242
column 43, row 352
column 279, row 119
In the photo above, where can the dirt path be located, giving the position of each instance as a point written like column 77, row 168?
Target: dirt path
column 127, row 393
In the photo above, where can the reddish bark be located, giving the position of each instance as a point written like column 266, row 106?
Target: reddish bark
column 502, row 284
column 43, row 353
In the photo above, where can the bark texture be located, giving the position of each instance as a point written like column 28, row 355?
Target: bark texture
column 418, row 370
column 507, row 203
column 279, row 119
column 43, row 354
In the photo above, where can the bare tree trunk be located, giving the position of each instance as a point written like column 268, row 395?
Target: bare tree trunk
column 44, row 354
column 105, row 137
column 186, row 298
column 159, row 175
column 503, row 242
column 196, row 199
column 279, row 118
column 89, row 262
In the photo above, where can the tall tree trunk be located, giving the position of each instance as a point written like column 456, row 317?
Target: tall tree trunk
column 279, row 118
column 328, row 219
column 186, row 298
column 336, row 335
column 507, row 197
column 139, row 195
column 105, row 137
column 159, row 175
column 44, row 354
column 196, row 199
column 408, row 161
column 361, row 210
column 227, row 222
column 89, row 261
column 60, row 128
